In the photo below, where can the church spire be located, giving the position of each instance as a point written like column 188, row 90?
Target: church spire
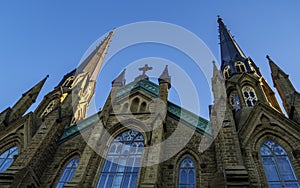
column 230, row 50
column 85, row 80
column 26, row 101
column 92, row 64
column 233, row 59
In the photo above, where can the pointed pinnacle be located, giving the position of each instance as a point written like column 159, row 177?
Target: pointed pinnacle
column 27, row 99
column 120, row 80
column 36, row 88
column 230, row 50
column 165, row 77
column 92, row 64
column 273, row 66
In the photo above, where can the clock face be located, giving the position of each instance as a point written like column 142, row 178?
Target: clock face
column 49, row 107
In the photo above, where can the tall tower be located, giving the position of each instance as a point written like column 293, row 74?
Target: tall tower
column 245, row 85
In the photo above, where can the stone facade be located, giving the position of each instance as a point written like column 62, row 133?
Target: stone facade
column 245, row 114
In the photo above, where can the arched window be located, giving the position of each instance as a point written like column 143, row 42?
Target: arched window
column 240, row 67
column 235, row 100
column 49, row 107
column 187, row 173
column 134, row 105
column 68, row 172
column 277, row 165
column 7, row 158
column 69, row 81
column 227, row 72
column 249, row 96
column 122, row 162
column 143, row 107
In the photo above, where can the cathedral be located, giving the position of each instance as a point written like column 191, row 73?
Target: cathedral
column 141, row 139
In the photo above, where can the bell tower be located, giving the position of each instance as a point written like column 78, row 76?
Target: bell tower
column 245, row 85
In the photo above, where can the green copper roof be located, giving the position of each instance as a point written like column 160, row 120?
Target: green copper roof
column 200, row 124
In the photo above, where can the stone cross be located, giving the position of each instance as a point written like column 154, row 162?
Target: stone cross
column 145, row 68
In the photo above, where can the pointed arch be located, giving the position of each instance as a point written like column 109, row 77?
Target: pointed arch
column 134, row 105
column 68, row 172
column 227, row 72
column 190, row 155
column 7, row 157
column 143, row 107
column 66, row 169
column 249, row 95
column 277, row 166
column 68, row 82
column 240, row 67
column 187, row 173
column 121, row 166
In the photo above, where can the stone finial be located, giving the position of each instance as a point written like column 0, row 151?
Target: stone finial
column 165, row 77
column 120, row 80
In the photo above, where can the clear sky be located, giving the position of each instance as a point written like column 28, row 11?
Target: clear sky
column 50, row 37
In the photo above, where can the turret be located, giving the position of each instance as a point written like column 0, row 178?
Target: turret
column 22, row 105
column 290, row 97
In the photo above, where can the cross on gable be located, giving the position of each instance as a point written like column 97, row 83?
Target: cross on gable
column 145, row 68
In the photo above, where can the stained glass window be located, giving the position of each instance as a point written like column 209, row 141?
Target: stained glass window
column 249, row 96
column 122, row 162
column 187, row 173
column 277, row 166
column 68, row 173
column 7, row 158
column 235, row 101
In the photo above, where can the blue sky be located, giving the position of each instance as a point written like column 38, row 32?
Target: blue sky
column 50, row 37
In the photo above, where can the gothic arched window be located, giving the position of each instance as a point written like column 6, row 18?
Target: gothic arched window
column 69, row 81
column 122, row 162
column 68, row 172
column 240, row 67
column 277, row 165
column 235, row 100
column 49, row 107
column 143, row 107
column 249, row 96
column 227, row 72
column 7, row 158
column 187, row 173
column 134, row 105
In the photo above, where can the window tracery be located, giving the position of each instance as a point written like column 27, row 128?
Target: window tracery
column 122, row 162
column 187, row 173
column 227, row 72
column 249, row 96
column 240, row 67
column 277, row 165
column 68, row 172
column 7, row 158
